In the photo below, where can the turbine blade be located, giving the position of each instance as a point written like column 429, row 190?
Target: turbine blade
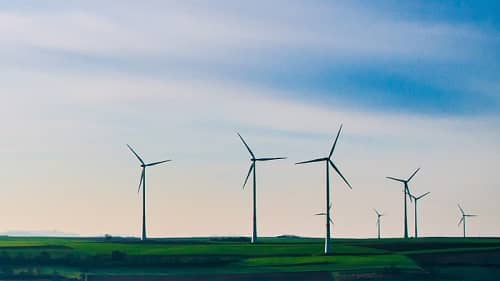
column 142, row 178
column 248, row 175
column 471, row 215
column 246, row 145
column 320, row 214
column 461, row 210
column 461, row 220
column 136, row 155
column 423, row 195
column 335, row 143
column 340, row 174
column 311, row 161
column 407, row 191
column 391, row 178
column 156, row 163
column 269, row 159
column 414, row 173
column 331, row 221
column 378, row 214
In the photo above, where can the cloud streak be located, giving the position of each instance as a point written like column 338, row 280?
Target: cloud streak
column 190, row 31
column 177, row 79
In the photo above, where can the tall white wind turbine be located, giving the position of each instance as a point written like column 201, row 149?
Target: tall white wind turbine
column 328, row 162
column 142, row 183
column 252, row 171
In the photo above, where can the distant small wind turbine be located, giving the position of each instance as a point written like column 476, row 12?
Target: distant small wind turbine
column 253, row 167
column 379, row 215
column 464, row 216
column 406, row 191
column 328, row 163
column 142, row 183
column 326, row 214
column 415, row 199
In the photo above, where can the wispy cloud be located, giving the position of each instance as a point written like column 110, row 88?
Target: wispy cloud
column 177, row 79
column 316, row 45
column 201, row 31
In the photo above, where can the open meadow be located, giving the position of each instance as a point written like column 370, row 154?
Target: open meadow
column 285, row 258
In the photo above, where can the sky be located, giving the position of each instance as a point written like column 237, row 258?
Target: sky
column 415, row 84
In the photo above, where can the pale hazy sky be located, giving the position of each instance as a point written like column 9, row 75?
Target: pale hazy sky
column 414, row 85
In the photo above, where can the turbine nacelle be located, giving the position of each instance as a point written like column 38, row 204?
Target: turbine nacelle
column 463, row 218
column 464, row 215
column 254, row 159
column 329, row 160
column 405, row 182
column 144, row 166
column 378, row 214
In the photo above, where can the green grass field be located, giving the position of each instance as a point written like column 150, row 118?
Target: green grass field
column 422, row 259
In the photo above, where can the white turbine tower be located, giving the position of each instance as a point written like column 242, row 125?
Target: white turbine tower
column 252, row 169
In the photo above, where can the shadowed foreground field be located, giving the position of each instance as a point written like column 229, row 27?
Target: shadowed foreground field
column 236, row 259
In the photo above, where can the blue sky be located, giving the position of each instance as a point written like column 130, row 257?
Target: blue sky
column 429, row 58
column 415, row 83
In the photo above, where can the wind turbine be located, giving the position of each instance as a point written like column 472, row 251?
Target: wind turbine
column 378, row 221
column 406, row 191
column 252, row 169
column 142, row 183
column 416, row 198
column 328, row 162
column 326, row 214
column 464, row 216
